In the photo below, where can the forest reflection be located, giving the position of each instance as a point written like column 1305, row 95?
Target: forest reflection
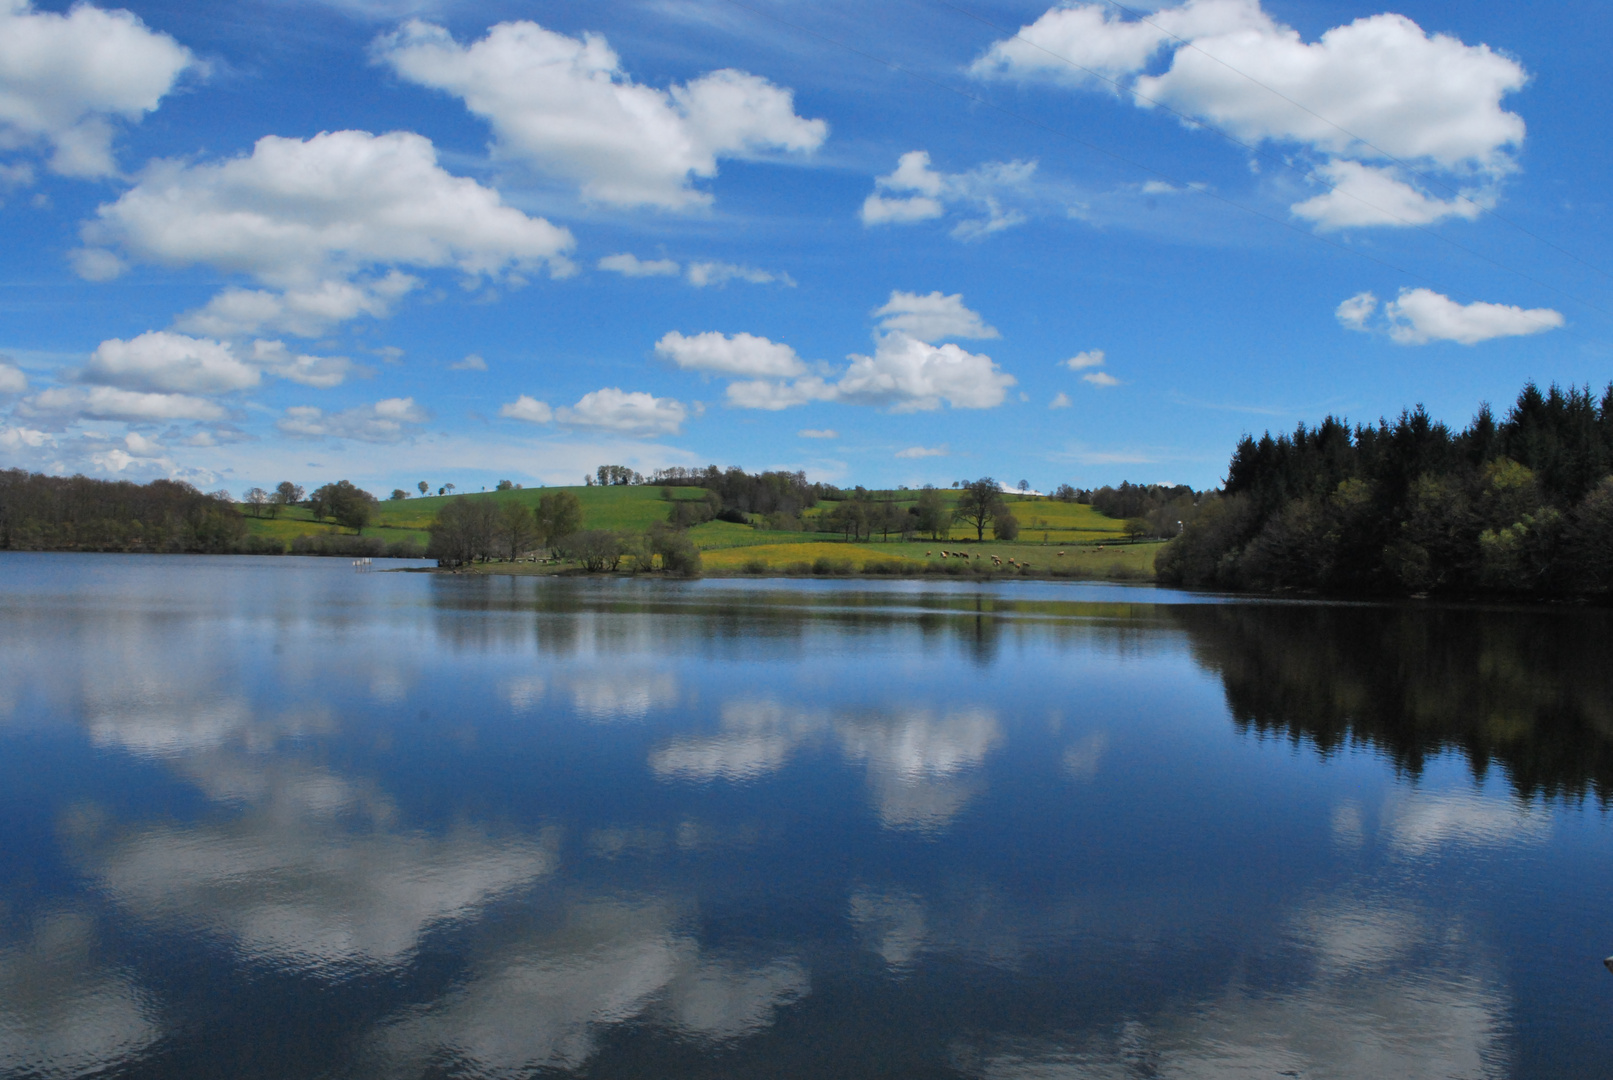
column 1530, row 691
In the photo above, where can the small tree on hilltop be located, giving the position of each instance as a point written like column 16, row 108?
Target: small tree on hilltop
column 423, row 487
column 398, row 494
column 257, row 501
column 980, row 502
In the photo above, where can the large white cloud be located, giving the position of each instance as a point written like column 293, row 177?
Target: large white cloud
column 909, row 375
column 1376, row 90
column 611, row 409
column 564, row 106
column 385, row 421
column 904, row 374
column 744, row 355
column 111, row 403
column 64, row 79
column 931, row 317
column 164, row 361
column 1419, row 316
column 914, row 192
column 309, row 216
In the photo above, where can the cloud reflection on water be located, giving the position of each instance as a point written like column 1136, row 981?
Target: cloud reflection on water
column 63, row 1011
column 922, row 768
column 1386, row 991
column 543, row 1000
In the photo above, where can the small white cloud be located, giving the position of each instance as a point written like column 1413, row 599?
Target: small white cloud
column 162, row 361
column 932, row 317
column 529, row 409
column 1060, row 401
column 472, row 362
column 611, row 409
column 64, row 79
column 140, row 446
column 386, row 421
column 1100, row 378
column 96, row 264
column 320, row 372
column 1363, row 195
column 1353, row 313
column 904, row 374
column 565, row 107
column 702, row 274
column 915, row 192
column 12, row 380
column 922, row 452
column 744, row 355
column 630, row 265
column 306, row 312
column 1082, row 360
column 18, row 438
column 635, row 413
column 818, row 433
column 389, row 354
column 111, row 403
column 1418, row 316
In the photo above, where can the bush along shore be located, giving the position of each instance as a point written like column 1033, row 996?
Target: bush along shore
column 1521, row 507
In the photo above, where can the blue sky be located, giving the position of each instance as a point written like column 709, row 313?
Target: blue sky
column 393, row 241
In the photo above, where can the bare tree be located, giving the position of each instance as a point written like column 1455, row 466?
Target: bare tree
column 258, row 500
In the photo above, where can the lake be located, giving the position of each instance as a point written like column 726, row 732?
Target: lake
column 279, row 818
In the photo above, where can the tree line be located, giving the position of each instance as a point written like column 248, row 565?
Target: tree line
column 1521, row 506
column 77, row 513
column 470, row 530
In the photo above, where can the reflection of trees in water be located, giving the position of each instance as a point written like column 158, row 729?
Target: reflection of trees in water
column 1529, row 690
column 584, row 617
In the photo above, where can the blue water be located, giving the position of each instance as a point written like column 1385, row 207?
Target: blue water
column 278, row 818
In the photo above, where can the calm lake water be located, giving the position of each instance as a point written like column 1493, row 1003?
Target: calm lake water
column 276, row 818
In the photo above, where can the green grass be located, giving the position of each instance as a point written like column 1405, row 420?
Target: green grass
column 1092, row 544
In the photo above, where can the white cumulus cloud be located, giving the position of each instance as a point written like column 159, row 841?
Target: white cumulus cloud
column 320, row 372
column 611, row 409
column 565, row 106
column 1100, row 378
column 909, row 375
column 305, row 312
column 1061, row 400
column 913, row 452
column 914, row 192
column 529, row 409
column 818, row 433
column 386, row 421
column 1360, row 97
column 743, row 355
column 932, row 317
column 65, row 80
column 1419, row 316
column 163, row 361
column 1090, row 358
column 323, row 222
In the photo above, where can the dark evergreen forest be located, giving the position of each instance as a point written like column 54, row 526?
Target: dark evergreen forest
column 1521, row 506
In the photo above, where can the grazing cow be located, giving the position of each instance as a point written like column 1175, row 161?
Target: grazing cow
column 1061, row 554
column 943, row 554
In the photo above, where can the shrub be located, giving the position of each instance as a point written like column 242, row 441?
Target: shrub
column 826, row 565
column 753, row 566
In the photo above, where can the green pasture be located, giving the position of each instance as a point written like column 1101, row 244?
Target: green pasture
column 1093, row 546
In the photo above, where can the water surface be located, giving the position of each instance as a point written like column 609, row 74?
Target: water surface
column 275, row 818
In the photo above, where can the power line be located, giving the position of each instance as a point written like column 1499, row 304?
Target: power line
column 1254, row 149
column 1061, row 134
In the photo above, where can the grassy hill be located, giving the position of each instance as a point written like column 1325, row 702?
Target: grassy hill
column 1093, row 546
